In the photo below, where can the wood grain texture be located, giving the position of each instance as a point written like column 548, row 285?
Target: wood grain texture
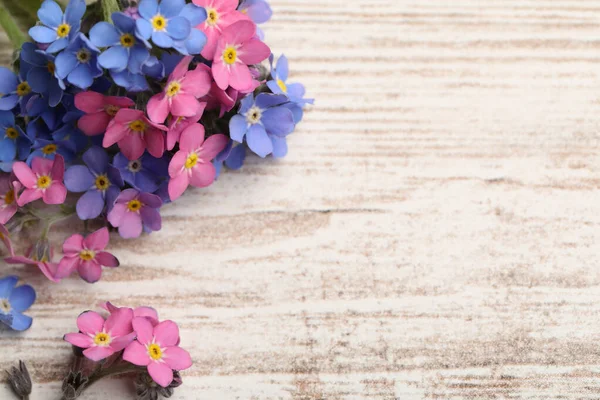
column 433, row 234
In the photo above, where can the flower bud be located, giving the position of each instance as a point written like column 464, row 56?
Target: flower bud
column 19, row 380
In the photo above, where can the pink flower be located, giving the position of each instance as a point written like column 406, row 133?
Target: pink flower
column 179, row 124
column 5, row 237
column 87, row 256
column 101, row 338
column 192, row 163
column 135, row 212
column 99, row 110
column 221, row 14
column 39, row 255
column 134, row 133
column 43, row 180
column 237, row 48
column 8, row 198
column 156, row 347
column 147, row 312
column 179, row 96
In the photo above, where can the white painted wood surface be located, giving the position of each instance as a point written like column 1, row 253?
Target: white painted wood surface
column 433, row 234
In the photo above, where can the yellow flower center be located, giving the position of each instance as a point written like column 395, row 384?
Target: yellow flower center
column 154, row 352
column 9, row 197
column 51, row 67
column 111, row 110
column 87, row 255
column 213, row 17
column 102, row 182
column 44, row 182
column 84, row 56
column 191, row 161
column 230, row 55
column 63, row 30
column 159, row 23
column 49, row 149
column 102, row 339
column 127, row 40
column 254, row 115
column 23, row 89
column 5, row 306
column 282, row 85
column 134, row 205
column 173, row 88
column 138, row 126
column 12, row 133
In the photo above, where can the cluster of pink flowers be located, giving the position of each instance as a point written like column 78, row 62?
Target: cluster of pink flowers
column 134, row 336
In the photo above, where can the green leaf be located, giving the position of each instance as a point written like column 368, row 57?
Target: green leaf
column 24, row 12
column 13, row 31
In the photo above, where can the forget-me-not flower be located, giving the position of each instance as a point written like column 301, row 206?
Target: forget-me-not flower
column 58, row 28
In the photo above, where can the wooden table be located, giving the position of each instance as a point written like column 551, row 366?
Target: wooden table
column 433, row 234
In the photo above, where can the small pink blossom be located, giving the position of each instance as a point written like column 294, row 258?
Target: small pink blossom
column 8, row 198
column 179, row 124
column 181, row 92
column 192, row 163
column 5, row 237
column 99, row 110
column 135, row 212
column 134, row 133
column 101, row 338
column 221, row 14
column 156, row 348
column 40, row 255
column 43, row 180
column 236, row 50
column 87, row 256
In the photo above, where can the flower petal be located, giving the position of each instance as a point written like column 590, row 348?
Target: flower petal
column 114, row 58
column 97, row 240
column 50, row 14
column 259, row 141
column 106, row 259
column 104, row 34
column 171, row 8
column 119, row 322
column 24, row 174
column 203, row 175
column 98, row 353
column 90, row 271
column 177, row 358
column 179, row 27
column 22, row 298
column 78, row 178
column 20, row 322
column 136, row 354
column 79, row 340
column 166, row 334
column 55, row 194
column 144, row 330
column 160, row 373
column 90, row 322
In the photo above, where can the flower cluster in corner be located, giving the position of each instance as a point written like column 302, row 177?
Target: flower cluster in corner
column 108, row 120
column 126, row 341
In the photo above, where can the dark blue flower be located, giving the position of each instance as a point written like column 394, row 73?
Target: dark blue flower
column 264, row 123
column 78, row 63
column 14, row 300
column 130, row 81
column 13, row 141
column 50, row 148
column 58, row 29
column 124, row 50
column 100, row 181
column 14, row 89
column 163, row 23
column 41, row 73
column 232, row 156
column 144, row 174
column 196, row 40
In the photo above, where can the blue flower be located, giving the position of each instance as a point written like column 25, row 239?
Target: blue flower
column 13, row 141
column 78, row 63
column 294, row 91
column 41, row 73
column 100, row 181
column 130, row 81
column 50, row 148
column 124, row 49
column 232, row 157
column 14, row 89
column 259, row 12
column 13, row 302
column 264, row 122
column 58, row 29
column 163, row 23
column 144, row 174
column 196, row 40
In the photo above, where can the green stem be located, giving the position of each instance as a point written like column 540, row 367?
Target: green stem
column 108, row 8
column 14, row 33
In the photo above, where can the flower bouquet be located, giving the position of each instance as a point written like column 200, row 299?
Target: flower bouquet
column 116, row 108
column 112, row 109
